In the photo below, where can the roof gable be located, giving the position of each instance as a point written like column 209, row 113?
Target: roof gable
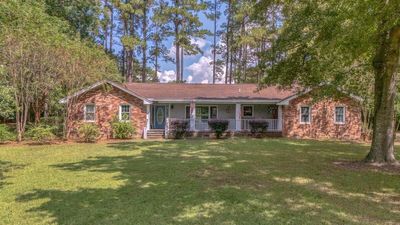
column 105, row 82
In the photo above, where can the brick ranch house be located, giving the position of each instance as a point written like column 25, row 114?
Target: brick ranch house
column 150, row 107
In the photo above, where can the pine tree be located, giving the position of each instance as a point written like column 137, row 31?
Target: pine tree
column 183, row 15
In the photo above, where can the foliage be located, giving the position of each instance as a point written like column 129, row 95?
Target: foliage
column 179, row 128
column 82, row 15
column 353, row 45
column 218, row 126
column 89, row 132
column 55, row 122
column 5, row 133
column 7, row 104
column 42, row 61
column 258, row 126
column 122, row 130
column 41, row 133
column 185, row 26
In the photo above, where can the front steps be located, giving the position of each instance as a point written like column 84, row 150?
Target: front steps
column 155, row 134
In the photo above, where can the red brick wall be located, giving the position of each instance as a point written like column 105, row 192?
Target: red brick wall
column 107, row 108
column 322, row 119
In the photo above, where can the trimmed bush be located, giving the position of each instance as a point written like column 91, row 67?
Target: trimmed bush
column 5, row 134
column 218, row 126
column 258, row 126
column 179, row 128
column 89, row 132
column 122, row 130
column 41, row 134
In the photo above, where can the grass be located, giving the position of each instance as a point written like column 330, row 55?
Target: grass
column 239, row 181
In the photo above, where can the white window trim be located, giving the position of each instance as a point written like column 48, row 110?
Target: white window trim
column 209, row 110
column 252, row 111
column 186, row 115
column 309, row 111
column 344, row 114
column 120, row 112
column 94, row 112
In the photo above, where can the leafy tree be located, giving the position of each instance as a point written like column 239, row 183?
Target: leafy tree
column 39, row 56
column 7, row 104
column 185, row 20
column 334, row 42
column 82, row 15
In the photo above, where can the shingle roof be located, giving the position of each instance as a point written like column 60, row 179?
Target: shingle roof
column 174, row 91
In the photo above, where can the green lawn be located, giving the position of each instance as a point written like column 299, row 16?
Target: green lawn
column 238, row 181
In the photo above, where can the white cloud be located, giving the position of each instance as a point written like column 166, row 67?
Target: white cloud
column 172, row 51
column 166, row 76
column 200, row 42
column 201, row 71
column 189, row 79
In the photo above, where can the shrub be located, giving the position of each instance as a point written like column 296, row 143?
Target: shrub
column 89, row 132
column 259, row 126
column 41, row 134
column 179, row 128
column 5, row 134
column 56, row 123
column 218, row 126
column 122, row 130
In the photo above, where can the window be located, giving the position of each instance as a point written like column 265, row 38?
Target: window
column 90, row 112
column 339, row 114
column 206, row 112
column 202, row 112
column 187, row 112
column 213, row 112
column 247, row 110
column 305, row 115
column 124, row 112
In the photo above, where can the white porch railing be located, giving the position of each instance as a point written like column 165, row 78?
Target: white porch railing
column 273, row 124
column 202, row 124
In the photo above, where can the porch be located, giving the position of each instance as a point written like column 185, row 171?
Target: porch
column 198, row 115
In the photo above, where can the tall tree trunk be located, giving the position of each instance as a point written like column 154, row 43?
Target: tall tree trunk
column 227, row 71
column 105, row 27
column 177, row 43
column 178, row 62
column 131, row 50
column 156, row 61
column 215, row 41
column 144, row 46
column 386, row 63
column 125, row 51
column 111, row 27
column 182, row 55
column 231, row 68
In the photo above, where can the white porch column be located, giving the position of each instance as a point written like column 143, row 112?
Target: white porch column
column 280, row 118
column 192, row 116
column 238, row 114
column 148, row 112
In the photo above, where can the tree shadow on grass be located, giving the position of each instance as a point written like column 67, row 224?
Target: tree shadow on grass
column 5, row 167
column 230, row 182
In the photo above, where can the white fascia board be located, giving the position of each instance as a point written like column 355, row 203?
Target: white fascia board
column 287, row 100
column 211, row 101
column 145, row 101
